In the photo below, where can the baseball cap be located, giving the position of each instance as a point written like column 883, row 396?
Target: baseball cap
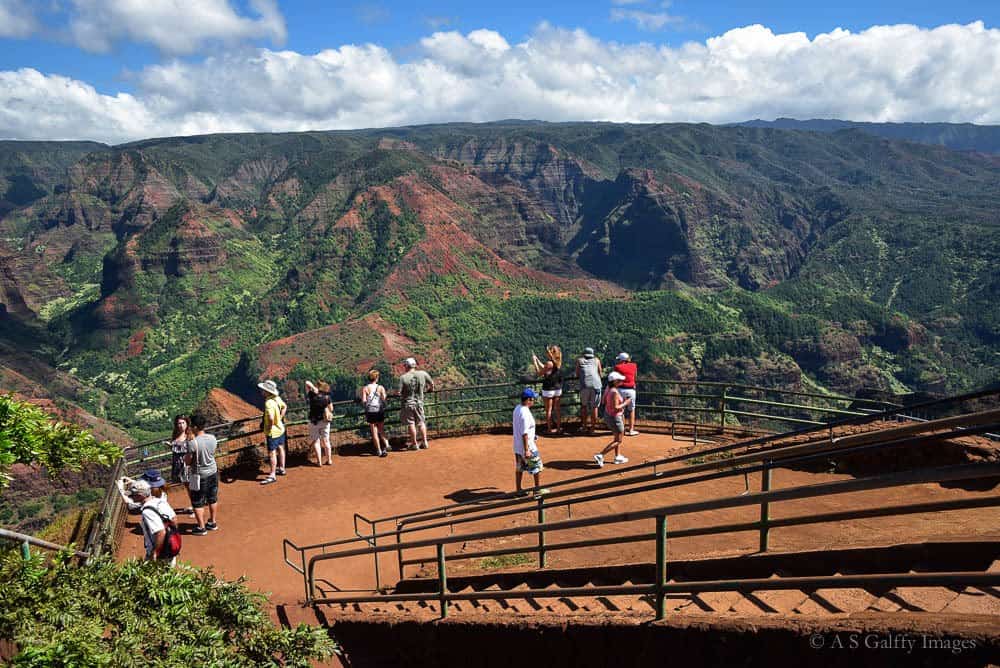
column 588, row 352
column 140, row 488
column 622, row 357
column 410, row 362
column 528, row 393
column 614, row 375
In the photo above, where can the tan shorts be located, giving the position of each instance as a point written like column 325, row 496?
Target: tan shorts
column 412, row 414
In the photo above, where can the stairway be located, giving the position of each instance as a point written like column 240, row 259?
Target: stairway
column 922, row 558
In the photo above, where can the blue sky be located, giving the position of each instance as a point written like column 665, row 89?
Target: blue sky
column 126, row 65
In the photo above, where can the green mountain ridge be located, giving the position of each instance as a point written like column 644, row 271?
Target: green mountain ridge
column 159, row 269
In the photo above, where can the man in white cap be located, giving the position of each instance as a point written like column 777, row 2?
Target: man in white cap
column 412, row 385
column 626, row 367
column 526, row 456
column 274, row 429
column 155, row 513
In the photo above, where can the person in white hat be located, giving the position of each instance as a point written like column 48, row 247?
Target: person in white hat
column 626, row 367
column 412, row 385
column 614, row 406
column 155, row 513
column 274, row 429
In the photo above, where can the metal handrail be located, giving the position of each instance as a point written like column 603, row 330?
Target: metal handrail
column 25, row 540
column 660, row 514
column 795, row 453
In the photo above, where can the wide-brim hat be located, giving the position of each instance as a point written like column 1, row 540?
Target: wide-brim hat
column 270, row 387
column 153, row 477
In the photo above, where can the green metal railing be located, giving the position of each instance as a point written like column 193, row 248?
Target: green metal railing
column 661, row 587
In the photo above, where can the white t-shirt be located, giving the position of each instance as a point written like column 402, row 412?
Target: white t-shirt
column 152, row 523
column 524, row 423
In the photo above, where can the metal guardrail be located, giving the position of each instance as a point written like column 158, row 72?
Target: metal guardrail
column 661, row 587
column 27, row 541
column 481, row 507
column 604, row 486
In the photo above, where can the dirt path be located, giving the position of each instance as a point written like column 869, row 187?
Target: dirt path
column 314, row 504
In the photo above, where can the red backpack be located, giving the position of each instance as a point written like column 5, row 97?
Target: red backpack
column 171, row 540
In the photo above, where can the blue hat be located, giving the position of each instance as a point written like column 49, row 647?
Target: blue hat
column 153, row 477
column 529, row 393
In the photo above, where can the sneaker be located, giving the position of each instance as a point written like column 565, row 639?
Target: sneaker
column 621, row 459
column 632, row 432
column 383, row 453
column 282, row 472
column 541, row 492
column 268, row 480
column 600, row 460
column 199, row 531
column 412, row 447
column 424, row 446
column 211, row 526
column 521, row 492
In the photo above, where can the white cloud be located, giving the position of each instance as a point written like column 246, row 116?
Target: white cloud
column 885, row 73
column 651, row 21
column 173, row 26
column 16, row 19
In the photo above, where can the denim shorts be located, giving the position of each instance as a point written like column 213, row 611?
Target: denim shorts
column 273, row 443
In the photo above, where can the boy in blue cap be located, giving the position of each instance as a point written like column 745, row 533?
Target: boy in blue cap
column 526, row 456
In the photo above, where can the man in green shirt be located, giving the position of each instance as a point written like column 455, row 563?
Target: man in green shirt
column 412, row 385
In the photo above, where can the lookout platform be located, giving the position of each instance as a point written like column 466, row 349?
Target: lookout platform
column 313, row 504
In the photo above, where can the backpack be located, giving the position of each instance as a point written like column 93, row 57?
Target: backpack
column 171, row 539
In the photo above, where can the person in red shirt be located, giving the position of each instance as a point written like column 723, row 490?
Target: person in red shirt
column 626, row 367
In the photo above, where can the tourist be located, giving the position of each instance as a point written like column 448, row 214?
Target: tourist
column 373, row 398
column 589, row 373
column 273, row 426
column 527, row 458
column 178, row 448
column 614, row 405
column 552, row 381
column 320, row 416
column 412, row 386
column 204, row 483
column 626, row 367
column 155, row 512
column 156, row 483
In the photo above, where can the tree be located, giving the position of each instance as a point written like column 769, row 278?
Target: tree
column 141, row 614
column 29, row 435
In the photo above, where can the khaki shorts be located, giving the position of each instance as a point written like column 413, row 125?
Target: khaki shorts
column 412, row 414
column 319, row 431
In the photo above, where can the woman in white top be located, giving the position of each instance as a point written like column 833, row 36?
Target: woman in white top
column 373, row 398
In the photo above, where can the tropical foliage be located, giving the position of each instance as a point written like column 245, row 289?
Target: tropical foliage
column 141, row 614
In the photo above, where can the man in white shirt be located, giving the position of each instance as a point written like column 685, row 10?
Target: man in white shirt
column 527, row 459
column 153, row 510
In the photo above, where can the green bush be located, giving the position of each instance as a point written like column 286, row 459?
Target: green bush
column 141, row 614
column 30, row 509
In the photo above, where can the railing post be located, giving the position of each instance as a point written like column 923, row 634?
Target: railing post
column 399, row 550
column 378, row 581
column 305, row 576
column 541, row 533
column 661, row 566
column 765, row 486
column 25, row 550
column 442, row 581
column 722, row 409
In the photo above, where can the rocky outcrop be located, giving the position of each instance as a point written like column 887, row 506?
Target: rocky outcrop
column 221, row 406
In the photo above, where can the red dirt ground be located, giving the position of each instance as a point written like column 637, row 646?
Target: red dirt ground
column 314, row 504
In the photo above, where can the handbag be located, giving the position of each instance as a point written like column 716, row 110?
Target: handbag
column 194, row 480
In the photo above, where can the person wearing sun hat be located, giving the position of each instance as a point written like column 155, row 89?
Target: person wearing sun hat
column 527, row 459
column 274, row 429
column 626, row 367
column 614, row 406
